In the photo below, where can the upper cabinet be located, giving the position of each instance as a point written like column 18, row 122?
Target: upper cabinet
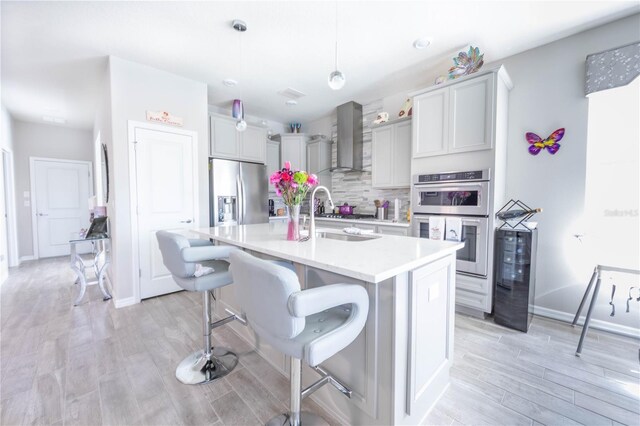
column 293, row 148
column 318, row 155
column 227, row 142
column 456, row 118
column 391, row 155
column 319, row 159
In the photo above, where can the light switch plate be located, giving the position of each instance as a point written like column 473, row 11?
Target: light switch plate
column 26, row 194
column 27, row 203
column 434, row 292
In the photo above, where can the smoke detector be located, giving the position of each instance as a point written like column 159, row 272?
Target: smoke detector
column 229, row 82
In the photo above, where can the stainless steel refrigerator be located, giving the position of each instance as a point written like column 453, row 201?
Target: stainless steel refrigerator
column 237, row 193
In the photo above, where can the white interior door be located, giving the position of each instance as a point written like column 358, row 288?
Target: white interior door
column 61, row 189
column 166, row 195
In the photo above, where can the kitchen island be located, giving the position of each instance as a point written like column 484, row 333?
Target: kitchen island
column 398, row 366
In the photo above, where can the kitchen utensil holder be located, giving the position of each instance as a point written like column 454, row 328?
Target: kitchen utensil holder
column 382, row 213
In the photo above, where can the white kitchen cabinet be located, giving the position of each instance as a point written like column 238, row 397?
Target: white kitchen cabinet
column 253, row 144
column 471, row 115
column 226, row 142
column 403, row 231
column 393, row 230
column 318, row 155
column 391, row 155
column 293, row 148
column 223, row 138
column 431, row 123
column 457, row 118
column 319, row 160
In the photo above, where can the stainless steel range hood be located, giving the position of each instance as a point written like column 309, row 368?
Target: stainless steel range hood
column 349, row 138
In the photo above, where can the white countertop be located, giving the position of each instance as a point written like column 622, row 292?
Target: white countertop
column 366, row 221
column 373, row 260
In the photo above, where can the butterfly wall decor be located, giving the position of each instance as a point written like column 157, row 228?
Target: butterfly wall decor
column 537, row 144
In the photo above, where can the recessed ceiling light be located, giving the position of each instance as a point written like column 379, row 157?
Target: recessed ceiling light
column 291, row 102
column 229, row 82
column 422, row 43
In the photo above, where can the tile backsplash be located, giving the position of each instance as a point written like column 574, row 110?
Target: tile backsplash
column 355, row 187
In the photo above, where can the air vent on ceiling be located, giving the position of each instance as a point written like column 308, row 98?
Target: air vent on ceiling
column 291, row 93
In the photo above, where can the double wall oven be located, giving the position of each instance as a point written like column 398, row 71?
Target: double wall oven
column 456, row 194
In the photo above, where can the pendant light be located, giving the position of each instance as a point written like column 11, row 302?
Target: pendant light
column 337, row 78
column 237, row 111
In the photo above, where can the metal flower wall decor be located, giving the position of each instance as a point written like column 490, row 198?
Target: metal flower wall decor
column 466, row 63
column 537, row 144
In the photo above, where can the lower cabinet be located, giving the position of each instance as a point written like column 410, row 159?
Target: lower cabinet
column 378, row 229
column 394, row 230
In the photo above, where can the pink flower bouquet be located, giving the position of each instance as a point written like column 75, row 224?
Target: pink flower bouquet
column 291, row 185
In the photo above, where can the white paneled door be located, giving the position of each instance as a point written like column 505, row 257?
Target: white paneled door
column 165, row 197
column 61, row 191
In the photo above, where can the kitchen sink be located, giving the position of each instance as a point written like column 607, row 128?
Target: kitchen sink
column 345, row 237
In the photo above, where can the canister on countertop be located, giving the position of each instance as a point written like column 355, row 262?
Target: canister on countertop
column 396, row 210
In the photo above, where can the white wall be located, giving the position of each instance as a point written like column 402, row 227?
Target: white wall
column 134, row 89
column 8, row 241
column 41, row 140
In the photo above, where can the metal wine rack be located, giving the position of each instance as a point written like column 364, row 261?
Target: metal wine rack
column 520, row 206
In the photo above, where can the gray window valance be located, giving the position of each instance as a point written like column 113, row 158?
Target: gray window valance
column 613, row 68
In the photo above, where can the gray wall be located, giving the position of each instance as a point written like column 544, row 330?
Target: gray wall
column 548, row 93
column 47, row 141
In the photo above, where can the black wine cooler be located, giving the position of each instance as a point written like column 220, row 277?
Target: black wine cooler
column 515, row 277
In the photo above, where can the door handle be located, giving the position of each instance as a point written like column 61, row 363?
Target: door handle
column 42, row 214
column 186, row 221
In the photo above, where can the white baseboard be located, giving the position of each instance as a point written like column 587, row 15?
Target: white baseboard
column 25, row 258
column 597, row 324
column 121, row 303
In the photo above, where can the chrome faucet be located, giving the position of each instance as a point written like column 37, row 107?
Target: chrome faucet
column 312, row 221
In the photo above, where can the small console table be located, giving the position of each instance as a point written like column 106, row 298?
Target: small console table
column 100, row 246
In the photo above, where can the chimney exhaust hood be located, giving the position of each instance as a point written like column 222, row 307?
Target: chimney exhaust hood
column 349, row 138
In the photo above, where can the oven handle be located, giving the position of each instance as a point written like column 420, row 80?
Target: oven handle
column 483, row 184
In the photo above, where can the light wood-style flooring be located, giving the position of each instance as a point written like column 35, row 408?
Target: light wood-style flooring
column 94, row 364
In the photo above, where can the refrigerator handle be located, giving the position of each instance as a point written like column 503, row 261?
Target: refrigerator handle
column 240, row 206
column 244, row 201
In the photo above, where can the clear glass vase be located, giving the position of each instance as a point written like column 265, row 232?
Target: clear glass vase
column 293, row 228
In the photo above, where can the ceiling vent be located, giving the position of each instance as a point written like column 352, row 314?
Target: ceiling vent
column 291, row 93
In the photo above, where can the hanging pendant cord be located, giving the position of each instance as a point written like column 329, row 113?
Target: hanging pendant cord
column 336, row 58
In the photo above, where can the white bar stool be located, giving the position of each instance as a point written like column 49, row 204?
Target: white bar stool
column 310, row 325
column 595, row 278
column 180, row 256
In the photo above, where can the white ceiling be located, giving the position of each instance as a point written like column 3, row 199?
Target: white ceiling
column 52, row 52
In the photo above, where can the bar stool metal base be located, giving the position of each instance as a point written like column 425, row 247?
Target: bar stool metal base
column 197, row 369
column 306, row 419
